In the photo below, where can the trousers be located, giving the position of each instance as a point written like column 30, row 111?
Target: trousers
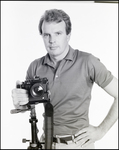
column 71, row 145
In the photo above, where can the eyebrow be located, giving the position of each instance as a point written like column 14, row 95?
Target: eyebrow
column 54, row 32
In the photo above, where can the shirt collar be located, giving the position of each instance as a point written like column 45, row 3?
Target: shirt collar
column 69, row 56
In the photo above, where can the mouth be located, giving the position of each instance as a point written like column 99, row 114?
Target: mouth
column 53, row 47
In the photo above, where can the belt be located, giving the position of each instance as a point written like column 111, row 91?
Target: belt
column 66, row 140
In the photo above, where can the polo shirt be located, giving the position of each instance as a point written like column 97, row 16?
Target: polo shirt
column 70, row 85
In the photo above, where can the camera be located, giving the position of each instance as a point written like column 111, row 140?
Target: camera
column 38, row 89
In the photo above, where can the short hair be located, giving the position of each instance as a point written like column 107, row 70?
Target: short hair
column 55, row 15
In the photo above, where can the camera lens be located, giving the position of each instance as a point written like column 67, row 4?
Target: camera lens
column 37, row 90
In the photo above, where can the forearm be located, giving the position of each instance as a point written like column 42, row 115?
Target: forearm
column 92, row 133
column 110, row 119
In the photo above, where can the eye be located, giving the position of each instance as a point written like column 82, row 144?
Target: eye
column 58, row 33
column 46, row 35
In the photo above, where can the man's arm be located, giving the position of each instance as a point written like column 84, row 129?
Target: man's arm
column 91, row 134
column 112, row 116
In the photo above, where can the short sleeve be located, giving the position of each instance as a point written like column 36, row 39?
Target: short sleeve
column 98, row 72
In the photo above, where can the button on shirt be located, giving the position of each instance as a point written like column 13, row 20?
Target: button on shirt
column 70, row 85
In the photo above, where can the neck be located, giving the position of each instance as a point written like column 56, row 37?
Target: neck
column 58, row 58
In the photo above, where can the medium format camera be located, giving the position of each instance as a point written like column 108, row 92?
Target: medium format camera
column 37, row 88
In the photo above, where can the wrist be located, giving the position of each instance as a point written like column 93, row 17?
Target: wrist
column 102, row 130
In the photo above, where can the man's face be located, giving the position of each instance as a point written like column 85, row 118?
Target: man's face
column 55, row 38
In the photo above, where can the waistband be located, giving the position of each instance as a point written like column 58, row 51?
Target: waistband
column 67, row 139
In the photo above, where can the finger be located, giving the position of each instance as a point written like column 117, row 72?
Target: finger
column 19, row 96
column 15, row 102
column 19, row 101
column 18, row 83
column 18, row 91
column 24, row 102
column 81, row 132
column 86, row 143
column 81, row 136
column 82, row 141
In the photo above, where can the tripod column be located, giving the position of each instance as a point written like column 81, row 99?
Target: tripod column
column 33, row 121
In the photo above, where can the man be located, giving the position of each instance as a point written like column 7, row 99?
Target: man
column 71, row 74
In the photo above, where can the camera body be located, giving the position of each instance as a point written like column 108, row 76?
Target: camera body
column 38, row 89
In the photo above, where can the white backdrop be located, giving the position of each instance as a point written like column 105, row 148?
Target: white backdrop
column 95, row 30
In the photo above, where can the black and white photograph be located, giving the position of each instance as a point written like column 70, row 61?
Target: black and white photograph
column 59, row 75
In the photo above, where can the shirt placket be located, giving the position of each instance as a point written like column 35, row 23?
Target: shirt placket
column 58, row 71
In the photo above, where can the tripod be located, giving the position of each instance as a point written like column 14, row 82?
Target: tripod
column 34, row 144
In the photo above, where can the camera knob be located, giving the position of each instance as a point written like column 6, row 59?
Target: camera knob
column 45, row 80
column 25, row 140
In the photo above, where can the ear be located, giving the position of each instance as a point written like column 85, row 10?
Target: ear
column 68, row 37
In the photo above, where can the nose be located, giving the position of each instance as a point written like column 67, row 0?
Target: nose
column 52, row 39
